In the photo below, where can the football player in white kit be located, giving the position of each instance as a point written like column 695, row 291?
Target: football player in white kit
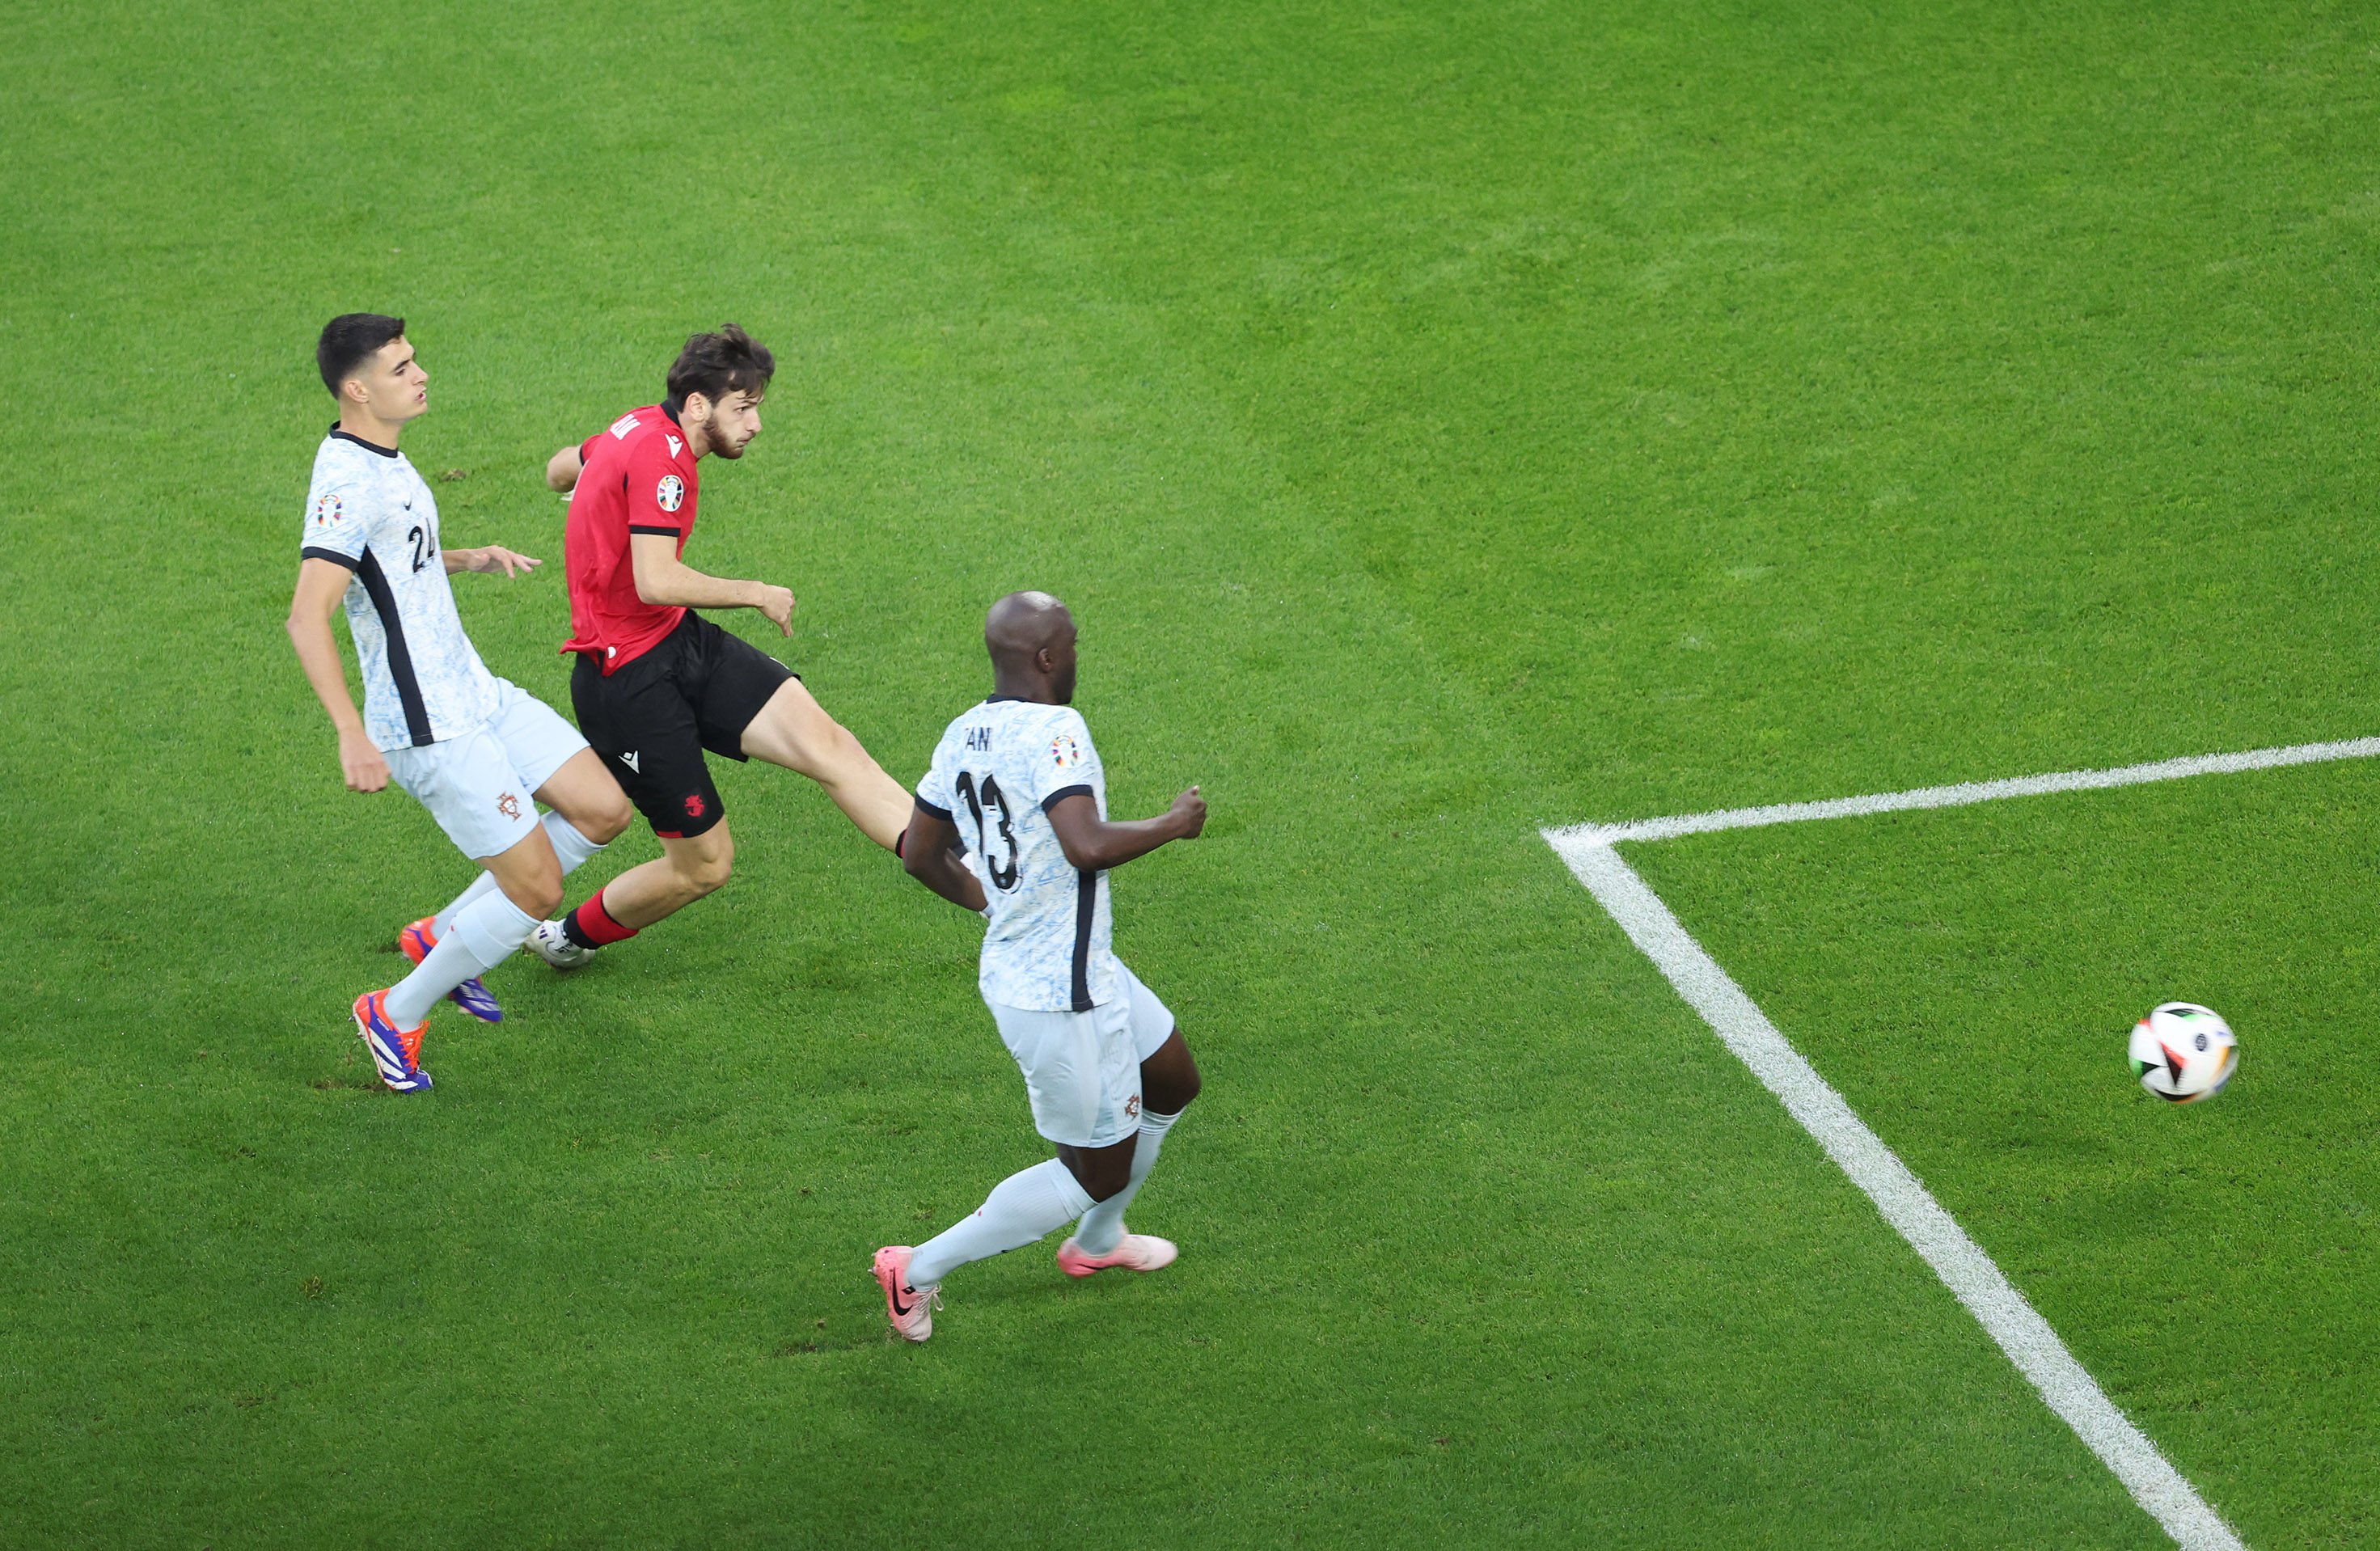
column 472, row 747
column 1017, row 781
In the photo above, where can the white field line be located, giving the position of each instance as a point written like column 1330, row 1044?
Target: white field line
column 1964, row 794
column 1906, row 1203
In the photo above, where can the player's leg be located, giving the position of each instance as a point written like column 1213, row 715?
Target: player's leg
column 1029, row 1205
column 587, row 810
column 794, row 731
column 748, row 706
column 484, row 933
column 1078, row 1073
column 646, row 731
column 688, row 868
column 1169, row 1081
column 470, row 787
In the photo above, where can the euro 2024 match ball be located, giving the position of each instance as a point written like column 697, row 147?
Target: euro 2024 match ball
column 2183, row 1052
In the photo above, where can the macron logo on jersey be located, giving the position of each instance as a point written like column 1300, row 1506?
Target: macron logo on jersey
column 625, row 424
column 674, row 445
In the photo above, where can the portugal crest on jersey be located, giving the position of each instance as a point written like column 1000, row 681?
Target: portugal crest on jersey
column 671, row 492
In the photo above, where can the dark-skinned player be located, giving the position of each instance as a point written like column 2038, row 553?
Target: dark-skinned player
column 1016, row 782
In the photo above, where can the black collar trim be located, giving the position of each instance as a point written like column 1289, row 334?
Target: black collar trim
column 368, row 446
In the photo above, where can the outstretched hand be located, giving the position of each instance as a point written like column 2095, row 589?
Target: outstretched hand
column 496, row 557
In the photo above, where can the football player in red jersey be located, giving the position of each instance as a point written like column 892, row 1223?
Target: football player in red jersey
column 656, row 684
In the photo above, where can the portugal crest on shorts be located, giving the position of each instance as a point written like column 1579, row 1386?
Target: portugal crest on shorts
column 1065, row 752
column 671, row 492
column 509, row 806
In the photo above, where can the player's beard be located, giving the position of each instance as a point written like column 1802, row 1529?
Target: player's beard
column 719, row 441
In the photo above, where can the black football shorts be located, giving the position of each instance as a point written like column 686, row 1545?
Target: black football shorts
column 698, row 688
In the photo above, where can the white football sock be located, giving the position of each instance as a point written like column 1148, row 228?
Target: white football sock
column 486, row 932
column 443, row 921
column 571, row 847
column 1102, row 1226
column 1029, row 1204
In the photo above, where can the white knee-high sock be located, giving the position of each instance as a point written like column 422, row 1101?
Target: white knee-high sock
column 1029, row 1204
column 568, row 844
column 485, row 933
column 1102, row 1226
column 445, row 921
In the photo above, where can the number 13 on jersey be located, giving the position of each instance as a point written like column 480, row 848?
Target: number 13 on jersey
column 1000, row 864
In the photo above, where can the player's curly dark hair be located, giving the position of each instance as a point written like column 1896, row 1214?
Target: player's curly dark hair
column 348, row 341
column 715, row 364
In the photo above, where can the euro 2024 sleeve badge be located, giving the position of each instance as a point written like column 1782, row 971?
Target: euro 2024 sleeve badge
column 1066, row 751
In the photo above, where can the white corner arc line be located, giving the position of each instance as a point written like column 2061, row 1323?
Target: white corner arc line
column 1906, row 1203
column 1963, row 793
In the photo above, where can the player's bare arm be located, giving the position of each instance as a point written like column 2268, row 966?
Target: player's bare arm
column 930, row 855
column 563, row 468
column 321, row 586
column 1094, row 844
column 666, row 581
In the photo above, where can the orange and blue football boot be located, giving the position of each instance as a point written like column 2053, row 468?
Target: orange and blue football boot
column 396, row 1051
column 417, row 940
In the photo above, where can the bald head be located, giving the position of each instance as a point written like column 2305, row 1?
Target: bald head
column 1031, row 638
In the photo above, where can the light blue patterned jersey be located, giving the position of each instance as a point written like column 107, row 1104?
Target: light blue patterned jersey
column 369, row 512
column 995, row 773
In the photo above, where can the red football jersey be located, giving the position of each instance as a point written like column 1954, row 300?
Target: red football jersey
column 638, row 477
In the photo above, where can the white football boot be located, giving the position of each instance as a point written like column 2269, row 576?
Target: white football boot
column 547, row 941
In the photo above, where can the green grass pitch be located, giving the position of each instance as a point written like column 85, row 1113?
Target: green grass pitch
column 1445, row 420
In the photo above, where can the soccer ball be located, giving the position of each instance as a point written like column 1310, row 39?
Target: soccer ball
column 2183, row 1052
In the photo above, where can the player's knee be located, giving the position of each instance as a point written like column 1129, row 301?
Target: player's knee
column 703, row 873
column 537, row 894
column 608, row 817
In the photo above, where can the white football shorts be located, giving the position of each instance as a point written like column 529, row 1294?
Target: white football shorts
column 1082, row 1070
column 480, row 786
